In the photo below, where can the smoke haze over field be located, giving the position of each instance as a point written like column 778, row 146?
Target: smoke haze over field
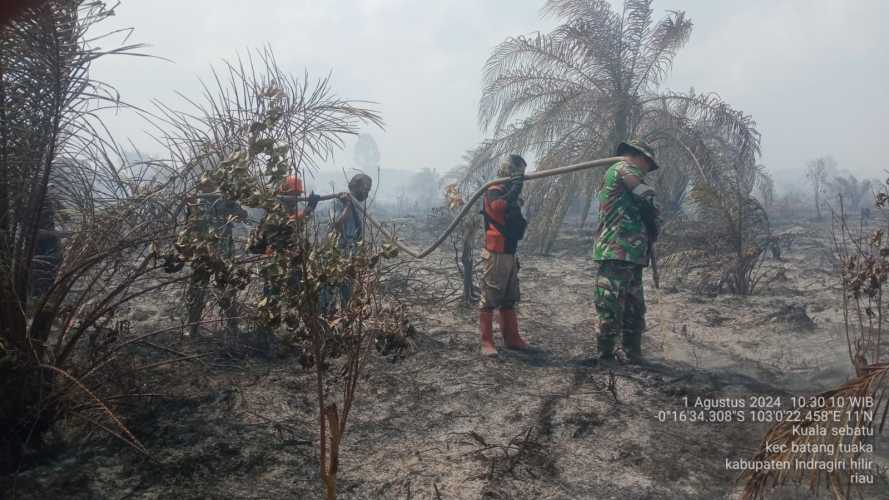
column 811, row 72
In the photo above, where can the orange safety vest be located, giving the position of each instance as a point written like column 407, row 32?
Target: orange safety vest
column 495, row 241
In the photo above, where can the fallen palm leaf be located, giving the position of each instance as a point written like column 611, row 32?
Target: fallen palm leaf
column 799, row 442
column 130, row 438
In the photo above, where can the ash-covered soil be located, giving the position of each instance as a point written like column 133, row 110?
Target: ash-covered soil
column 446, row 423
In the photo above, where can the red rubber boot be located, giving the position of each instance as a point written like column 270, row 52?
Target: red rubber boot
column 486, row 327
column 509, row 326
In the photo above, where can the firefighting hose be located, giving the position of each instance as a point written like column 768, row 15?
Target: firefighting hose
column 419, row 254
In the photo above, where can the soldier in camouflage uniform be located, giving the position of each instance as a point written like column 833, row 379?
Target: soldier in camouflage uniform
column 628, row 225
column 210, row 215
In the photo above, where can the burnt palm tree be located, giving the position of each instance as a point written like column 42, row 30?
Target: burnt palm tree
column 595, row 80
column 851, row 191
column 818, row 172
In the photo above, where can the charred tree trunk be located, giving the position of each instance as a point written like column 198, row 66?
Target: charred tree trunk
column 551, row 199
column 544, row 227
column 590, row 183
column 818, row 203
column 34, row 93
column 587, row 206
column 467, row 258
column 561, row 211
column 467, row 262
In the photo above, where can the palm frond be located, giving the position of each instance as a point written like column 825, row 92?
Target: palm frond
column 528, row 89
column 540, row 62
column 636, row 29
column 313, row 121
column 591, row 82
column 738, row 127
column 861, row 405
column 670, row 35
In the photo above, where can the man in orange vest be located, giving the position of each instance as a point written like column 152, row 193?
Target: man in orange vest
column 504, row 227
column 270, row 237
column 293, row 187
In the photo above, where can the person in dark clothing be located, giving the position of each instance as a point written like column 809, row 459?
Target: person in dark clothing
column 348, row 223
column 349, row 227
column 212, row 214
column 268, row 237
column 504, row 227
column 48, row 249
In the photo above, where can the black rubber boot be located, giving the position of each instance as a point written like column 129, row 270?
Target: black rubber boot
column 632, row 347
column 606, row 347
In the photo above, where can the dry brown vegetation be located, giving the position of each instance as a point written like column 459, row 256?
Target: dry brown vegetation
column 862, row 267
column 76, row 235
column 107, row 391
column 873, row 382
column 66, row 347
column 246, row 427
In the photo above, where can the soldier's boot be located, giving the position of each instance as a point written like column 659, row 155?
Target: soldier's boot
column 509, row 327
column 195, row 311
column 195, row 298
column 632, row 346
column 486, row 327
column 606, row 346
column 230, row 313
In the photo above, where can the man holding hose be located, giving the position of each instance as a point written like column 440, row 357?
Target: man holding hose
column 629, row 221
column 504, row 227
column 349, row 226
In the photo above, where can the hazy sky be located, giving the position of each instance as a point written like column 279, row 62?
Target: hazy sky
column 813, row 73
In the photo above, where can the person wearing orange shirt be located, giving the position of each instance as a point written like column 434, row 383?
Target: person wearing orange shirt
column 270, row 237
column 504, row 227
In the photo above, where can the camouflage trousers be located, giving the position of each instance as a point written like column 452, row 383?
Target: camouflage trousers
column 620, row 305
column 196, row 298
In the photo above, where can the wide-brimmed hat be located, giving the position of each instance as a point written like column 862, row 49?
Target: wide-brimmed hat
column 635, row 145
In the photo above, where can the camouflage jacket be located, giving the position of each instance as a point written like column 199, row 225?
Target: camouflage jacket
column 211, row 215
column 628, row 220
